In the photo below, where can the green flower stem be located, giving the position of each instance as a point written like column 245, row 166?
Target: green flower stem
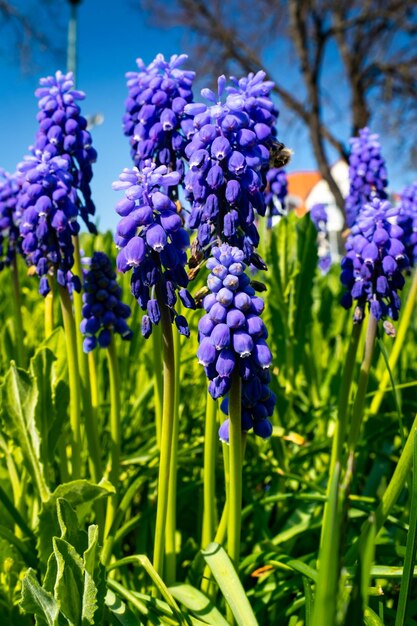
column 209, row 473
column 359, row 403
column 158, row 379
column 91, row 430
column 235, row 460
column 166, row 435
column 49, row 310
column 18, row 322
column 74, row 381
column 170, row 547
column 342, row 412
column 406, row 317
column 92, row 370
column 115, row 433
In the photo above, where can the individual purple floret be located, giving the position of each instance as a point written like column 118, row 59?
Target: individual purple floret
column 103, row 311
column 10, row 214
column 155, row 120
column 228, row 156
column 63, row 132
column 318, row 215
column 48, row 201
column 367, row 174
column 233, row 335
column 275, row 194
column 408, row 221
column 372, row 268
column 152, row 243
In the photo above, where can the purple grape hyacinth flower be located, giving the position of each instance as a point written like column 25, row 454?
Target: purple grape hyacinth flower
column 407, row 219
column 318, row 215
column 48, row 202
column 155, row 120
column 228, row 157
column 232, row 335
column 367, row 174
column 152, row 243
column 103, row 311
column 275, row 194
column 374, row 262
column 10, row 215
column 63, row 132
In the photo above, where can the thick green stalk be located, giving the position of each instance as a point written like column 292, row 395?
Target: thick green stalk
column 209, row 473
column 235, row 460
column 74, row 381
column 92, row 370
column 166, row 435
column 115, row 433
column 158, row 379
column 49, row 311
column 18, row 322
column 91, row 430
column 342, row 412
column 170, row 546
column 406, row 317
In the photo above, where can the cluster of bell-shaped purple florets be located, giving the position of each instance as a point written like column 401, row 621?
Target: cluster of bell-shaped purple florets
column 228, row 156
column 155, row 120
column 103, row 311
column 232, row 335
column 275, row 193
column 63, row 132
column 318, row 215
column 407, row 219
column 372, row 268
column 152, row 243
column 367, row 174
column 10, row 214
column 48, row 202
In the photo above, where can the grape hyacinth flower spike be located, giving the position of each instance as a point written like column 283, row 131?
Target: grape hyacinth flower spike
column 227, row 156
column 275, row 194
column 318, row 215
column 103, row 311
column 152, row 243
column 63, row 132
column 155, row 120
column 367, row 174
column 10, row 216
column 48, row 202
column 233, row 336
column 407, row 219
column 372, row 270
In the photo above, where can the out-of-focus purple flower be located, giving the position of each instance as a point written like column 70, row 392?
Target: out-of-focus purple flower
column 103, row 311
column 152, row 242
column 367, row 174
column 232, row 335
column 228, row 158
column 155, row 120
column 48, row 205
column 10, row 214
column 275, row 193
column 63, row 132
column 374, row 262
column 407, row 219
column 318, row 215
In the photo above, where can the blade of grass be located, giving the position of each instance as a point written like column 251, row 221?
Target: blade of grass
column 229, row 584
column 410, row 551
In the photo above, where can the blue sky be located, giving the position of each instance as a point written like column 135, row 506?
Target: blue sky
column 111, row 35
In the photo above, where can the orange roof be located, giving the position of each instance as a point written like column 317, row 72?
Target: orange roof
column 300, row 184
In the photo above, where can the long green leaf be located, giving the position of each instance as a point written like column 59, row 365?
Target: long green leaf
column 198, row 604
column 410, row 551
column 229, row 584
column 37, row 601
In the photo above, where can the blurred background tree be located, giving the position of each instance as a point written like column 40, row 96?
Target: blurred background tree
column 338, row 65
column 30, row 29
